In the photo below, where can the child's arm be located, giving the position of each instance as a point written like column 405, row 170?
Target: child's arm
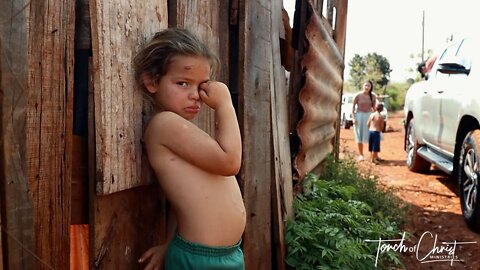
column 227, row 132
column 222, row 155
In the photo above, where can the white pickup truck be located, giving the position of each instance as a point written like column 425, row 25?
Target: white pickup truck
column 442, row 116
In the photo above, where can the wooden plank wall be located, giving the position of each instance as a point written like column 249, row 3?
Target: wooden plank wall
column 17, row 235
column 49, row 128
column 123, row 224
column 254, row 65
column 126, row 219
column 282, row 196
column 121, row 210
column 118, row 29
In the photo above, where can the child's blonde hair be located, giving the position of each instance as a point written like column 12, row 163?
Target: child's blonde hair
column 153, row 59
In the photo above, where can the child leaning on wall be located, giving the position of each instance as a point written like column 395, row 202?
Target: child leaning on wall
column 195, row 171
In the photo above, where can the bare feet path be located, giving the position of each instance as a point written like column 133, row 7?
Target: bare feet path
column 435, row 207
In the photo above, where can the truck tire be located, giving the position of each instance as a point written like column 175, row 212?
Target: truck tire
column 468, row 179
column 415, row 163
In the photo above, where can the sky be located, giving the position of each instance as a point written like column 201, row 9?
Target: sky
column 393, row 29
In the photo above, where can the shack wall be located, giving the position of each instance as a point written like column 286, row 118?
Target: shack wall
column 287, row 131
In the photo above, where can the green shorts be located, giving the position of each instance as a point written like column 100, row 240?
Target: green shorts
column 183, row 254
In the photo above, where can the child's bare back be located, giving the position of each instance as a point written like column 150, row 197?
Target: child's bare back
column 376, row 122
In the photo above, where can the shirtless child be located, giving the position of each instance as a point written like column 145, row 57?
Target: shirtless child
column 195, row 171
column 375, row 126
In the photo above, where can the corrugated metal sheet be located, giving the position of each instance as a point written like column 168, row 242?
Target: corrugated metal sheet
column 319, row 97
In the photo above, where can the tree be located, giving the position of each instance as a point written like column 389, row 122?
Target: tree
column 372, row 67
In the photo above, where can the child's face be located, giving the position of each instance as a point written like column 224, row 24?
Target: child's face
column 177, row 90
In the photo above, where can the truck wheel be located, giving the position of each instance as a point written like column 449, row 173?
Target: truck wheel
column 468, row 177
column 415, row 163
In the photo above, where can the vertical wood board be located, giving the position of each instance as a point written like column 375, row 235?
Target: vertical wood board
column 17, row 234
column 118, row 30
column 282, row 195
column 124, row 222
column 49, row 128
column 255, row 61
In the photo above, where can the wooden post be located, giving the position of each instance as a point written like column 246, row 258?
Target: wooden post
column 49, row 128
column 281, row 166
column 17, row 231
column 255, row 63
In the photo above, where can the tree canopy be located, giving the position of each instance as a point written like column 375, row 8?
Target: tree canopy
column 372, row 67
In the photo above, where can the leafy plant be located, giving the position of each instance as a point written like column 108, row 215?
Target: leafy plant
column 382, row 200
column 334, row 217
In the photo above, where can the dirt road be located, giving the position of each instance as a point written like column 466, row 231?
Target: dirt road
column 435, row 207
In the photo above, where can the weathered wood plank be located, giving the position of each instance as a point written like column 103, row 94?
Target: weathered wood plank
column 255, row 62
column 126, row 225
column 340, row 38
column 123, row 224
column 49, row 128
column 17, row 222
column 282, row 169
column 118, row 28
column 1, row 243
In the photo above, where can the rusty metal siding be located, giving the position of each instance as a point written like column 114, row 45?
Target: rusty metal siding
column 319, row 97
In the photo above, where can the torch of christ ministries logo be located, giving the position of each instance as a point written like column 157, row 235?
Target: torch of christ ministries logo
column 428, row 249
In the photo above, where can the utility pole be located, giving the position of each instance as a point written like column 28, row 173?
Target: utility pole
column 423, row 35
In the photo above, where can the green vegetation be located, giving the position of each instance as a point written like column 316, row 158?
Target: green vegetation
column 396, row 95
column 372, row 67
column 334, row 216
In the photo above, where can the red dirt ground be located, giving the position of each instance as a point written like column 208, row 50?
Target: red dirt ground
column 434, row 205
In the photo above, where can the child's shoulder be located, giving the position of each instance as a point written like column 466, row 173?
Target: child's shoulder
column 165, row 116
column 165, row 119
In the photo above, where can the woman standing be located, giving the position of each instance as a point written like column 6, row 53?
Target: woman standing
column 363, row 105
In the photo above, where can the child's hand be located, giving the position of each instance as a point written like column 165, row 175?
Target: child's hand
column 155, row 257
column 214, row 94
